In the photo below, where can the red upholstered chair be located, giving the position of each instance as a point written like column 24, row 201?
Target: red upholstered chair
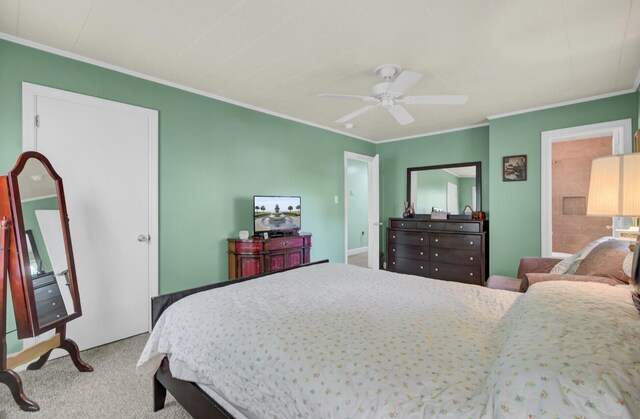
column 603, row 264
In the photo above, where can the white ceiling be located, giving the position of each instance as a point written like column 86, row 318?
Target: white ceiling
column 278, row 55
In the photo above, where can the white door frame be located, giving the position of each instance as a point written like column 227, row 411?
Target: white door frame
column 621, row 132
column 374, row 202
column 30, row 92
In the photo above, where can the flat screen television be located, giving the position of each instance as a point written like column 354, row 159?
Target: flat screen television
column 276, row 213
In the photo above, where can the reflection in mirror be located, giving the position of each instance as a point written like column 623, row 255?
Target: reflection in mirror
column 450, row 189
column 45, row 242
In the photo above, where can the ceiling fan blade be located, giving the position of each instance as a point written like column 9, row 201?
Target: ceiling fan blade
column 339, row 96
column 352, row 115
column 404, row 81
column 436, row 100
column 401, row 115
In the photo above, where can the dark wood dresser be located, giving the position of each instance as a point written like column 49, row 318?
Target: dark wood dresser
column 257, row 256
column 453, row 250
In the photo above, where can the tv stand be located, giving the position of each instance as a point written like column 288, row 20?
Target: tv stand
column 258, row 255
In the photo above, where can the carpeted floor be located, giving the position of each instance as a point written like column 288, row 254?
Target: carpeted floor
column 112, row 390
column 361, row 259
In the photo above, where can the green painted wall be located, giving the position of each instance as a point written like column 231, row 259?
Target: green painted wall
column 454, row 147
column 31, row 223
column 358, row 205
column 465, row 185
column 515, row 206
column 432, row 190
column 213, row 158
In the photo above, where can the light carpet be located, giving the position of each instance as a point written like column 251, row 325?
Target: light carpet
column 112, row 390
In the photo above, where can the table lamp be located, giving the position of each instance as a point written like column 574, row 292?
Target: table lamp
column 614, row 191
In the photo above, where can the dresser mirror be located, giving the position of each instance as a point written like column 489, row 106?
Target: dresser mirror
column 37, row 261
column 447, row 187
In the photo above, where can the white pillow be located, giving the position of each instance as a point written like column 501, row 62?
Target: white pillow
column 626, row 264
column 570, row 265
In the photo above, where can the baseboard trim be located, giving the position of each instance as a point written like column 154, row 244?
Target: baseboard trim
column 357, row 251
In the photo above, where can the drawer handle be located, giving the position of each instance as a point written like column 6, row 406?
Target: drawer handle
column 436, row 240
column 471, row 243
column 470, row 273
column 471, row 258
column 421, row 238
column 421, row 253
column 402, row 224
column 436, row 255
column 286, row 243
column 50, row 291
column 393, row 250
column 436, row 269
column 53, row 304
column 57, row 316
column 429, row 225
column 421, row 267
column 393, row 263
column 394, row 237
column 461, row 226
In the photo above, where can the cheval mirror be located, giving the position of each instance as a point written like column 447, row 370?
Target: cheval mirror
column 36, row 259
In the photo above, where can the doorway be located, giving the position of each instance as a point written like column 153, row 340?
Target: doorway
column 107, row 155
column 565, row 172
column 361, row 207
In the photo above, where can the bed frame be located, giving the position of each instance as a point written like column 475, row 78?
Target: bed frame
column 194, row 400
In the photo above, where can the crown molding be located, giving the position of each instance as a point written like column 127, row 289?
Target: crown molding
column 429, row 134
column 560, row 104
column 98, row 63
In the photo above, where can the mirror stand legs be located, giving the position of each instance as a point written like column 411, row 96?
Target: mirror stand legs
column 13, row 381
column 71, row 347
column 74, row 353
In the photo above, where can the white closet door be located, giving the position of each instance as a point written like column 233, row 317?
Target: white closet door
column 101, row 151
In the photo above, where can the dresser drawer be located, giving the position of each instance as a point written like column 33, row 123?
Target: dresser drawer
column 408, row 266
column 460, row 273
column 43, row 281
column 402, row 224
column 432, row 225
column 409, row 252
column 463, row 227
column 416, row 238
column 51, row 316
column 456, row 241
column 247, row 247
column 46, row 292
column 455, row 256
column 284, row 243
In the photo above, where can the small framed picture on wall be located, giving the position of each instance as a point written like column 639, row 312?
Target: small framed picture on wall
column 514, row 168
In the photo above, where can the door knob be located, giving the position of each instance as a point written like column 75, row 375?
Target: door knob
column 143, row 238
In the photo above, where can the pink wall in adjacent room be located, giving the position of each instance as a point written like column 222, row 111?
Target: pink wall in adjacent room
column 571, row 169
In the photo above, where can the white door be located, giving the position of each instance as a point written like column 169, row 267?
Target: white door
column 452, row 198
column 104, row 153
column 374, row 213
column 373, row 203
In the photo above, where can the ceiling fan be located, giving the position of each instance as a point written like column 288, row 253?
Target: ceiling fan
column 390, row 95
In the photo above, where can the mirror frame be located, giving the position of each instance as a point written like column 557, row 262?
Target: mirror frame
column 478, row 166
column 20, row 272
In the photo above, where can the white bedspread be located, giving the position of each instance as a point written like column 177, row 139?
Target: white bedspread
column 336, row 341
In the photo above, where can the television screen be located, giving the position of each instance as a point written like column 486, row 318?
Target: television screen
column 276, row 213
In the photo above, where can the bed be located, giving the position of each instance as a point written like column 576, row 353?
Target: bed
column 333, row 340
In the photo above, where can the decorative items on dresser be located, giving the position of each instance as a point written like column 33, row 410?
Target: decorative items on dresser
column 37, row 259
column 259, row 255
column 453, row 250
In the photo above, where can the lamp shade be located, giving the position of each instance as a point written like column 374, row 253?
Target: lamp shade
column 614, row 187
